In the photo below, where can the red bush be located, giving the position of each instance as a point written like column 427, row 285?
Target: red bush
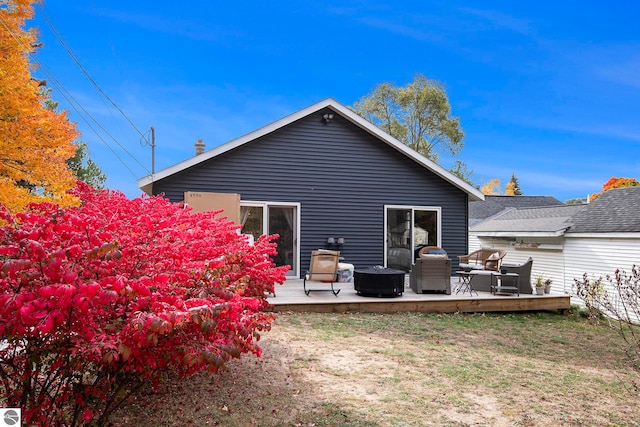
column 99, row 299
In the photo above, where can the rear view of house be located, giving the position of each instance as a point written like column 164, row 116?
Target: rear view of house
column 325, row 177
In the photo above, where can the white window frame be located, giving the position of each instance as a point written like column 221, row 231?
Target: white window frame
column 295, row 272
column 413, row 208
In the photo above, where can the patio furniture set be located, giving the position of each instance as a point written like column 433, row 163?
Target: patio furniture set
column 481, row 270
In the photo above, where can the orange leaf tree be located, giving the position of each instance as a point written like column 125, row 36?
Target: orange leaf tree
column 35, row 141
column 616, row 183
column 492, row 187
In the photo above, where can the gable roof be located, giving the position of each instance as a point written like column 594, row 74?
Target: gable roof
column 492, row 205
column 615, row 211
column 146, row 183
column 537, row 221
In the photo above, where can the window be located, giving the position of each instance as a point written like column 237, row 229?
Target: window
column 265, row 218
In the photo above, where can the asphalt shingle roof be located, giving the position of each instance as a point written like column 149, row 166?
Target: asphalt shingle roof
column 615, row 211
column 481, row 210
column 550, row 219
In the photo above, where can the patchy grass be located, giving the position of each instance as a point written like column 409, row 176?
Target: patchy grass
column 411, row 369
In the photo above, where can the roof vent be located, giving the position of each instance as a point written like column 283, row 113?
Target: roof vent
column 199, row 147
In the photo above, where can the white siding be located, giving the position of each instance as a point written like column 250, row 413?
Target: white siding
column 474, row 243
column 599, row 257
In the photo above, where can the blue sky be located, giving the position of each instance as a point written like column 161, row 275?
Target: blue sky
column 547, row 90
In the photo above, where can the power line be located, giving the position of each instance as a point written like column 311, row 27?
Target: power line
column 84, row 71
column 71, row 99
column 73, row 102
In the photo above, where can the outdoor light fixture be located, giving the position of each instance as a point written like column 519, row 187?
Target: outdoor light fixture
column 327, row 118
column 335, row 243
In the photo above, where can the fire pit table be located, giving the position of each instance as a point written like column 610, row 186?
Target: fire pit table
column 378, row 282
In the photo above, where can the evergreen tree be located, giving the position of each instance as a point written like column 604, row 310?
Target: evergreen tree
column 86, row 169
column 513, row 187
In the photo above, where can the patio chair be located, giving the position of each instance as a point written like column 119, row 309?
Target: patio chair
column 482, row 259
column 482, row 263
column 323, row 267
column 432, row 271
column 524, row 275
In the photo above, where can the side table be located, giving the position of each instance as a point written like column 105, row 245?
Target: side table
column 498, row 288
column 466, row 277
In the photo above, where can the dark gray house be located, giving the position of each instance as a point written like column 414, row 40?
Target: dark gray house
column 325, row 177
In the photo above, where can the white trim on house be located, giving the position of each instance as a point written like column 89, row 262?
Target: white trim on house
column 146, row 183
column 519, row 233
column 295, row 272
column 602, row 235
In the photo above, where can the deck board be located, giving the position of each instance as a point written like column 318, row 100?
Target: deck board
column 290, row 297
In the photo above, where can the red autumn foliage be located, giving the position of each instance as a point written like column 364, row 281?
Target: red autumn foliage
column 97, row 300
column 616, row 183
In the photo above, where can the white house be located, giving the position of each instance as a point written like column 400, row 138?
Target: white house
column 566, row 241
column 605, row 236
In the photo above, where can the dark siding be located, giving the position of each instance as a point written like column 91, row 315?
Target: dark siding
column 341, row 175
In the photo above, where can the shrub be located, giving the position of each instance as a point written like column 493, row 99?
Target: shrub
column 98, row 300
column 617, row 299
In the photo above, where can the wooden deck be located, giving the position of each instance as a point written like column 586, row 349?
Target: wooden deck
column 290, row 297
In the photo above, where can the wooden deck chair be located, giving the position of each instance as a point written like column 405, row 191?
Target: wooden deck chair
column 322, row 268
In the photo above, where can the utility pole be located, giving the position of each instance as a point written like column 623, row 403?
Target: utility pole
column 153, row 150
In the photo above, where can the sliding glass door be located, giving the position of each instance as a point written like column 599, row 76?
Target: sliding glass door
column 408, row 229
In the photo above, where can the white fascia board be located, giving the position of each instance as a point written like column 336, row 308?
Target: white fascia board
column 517, row 233
column 145, row 183
column 604, row 235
